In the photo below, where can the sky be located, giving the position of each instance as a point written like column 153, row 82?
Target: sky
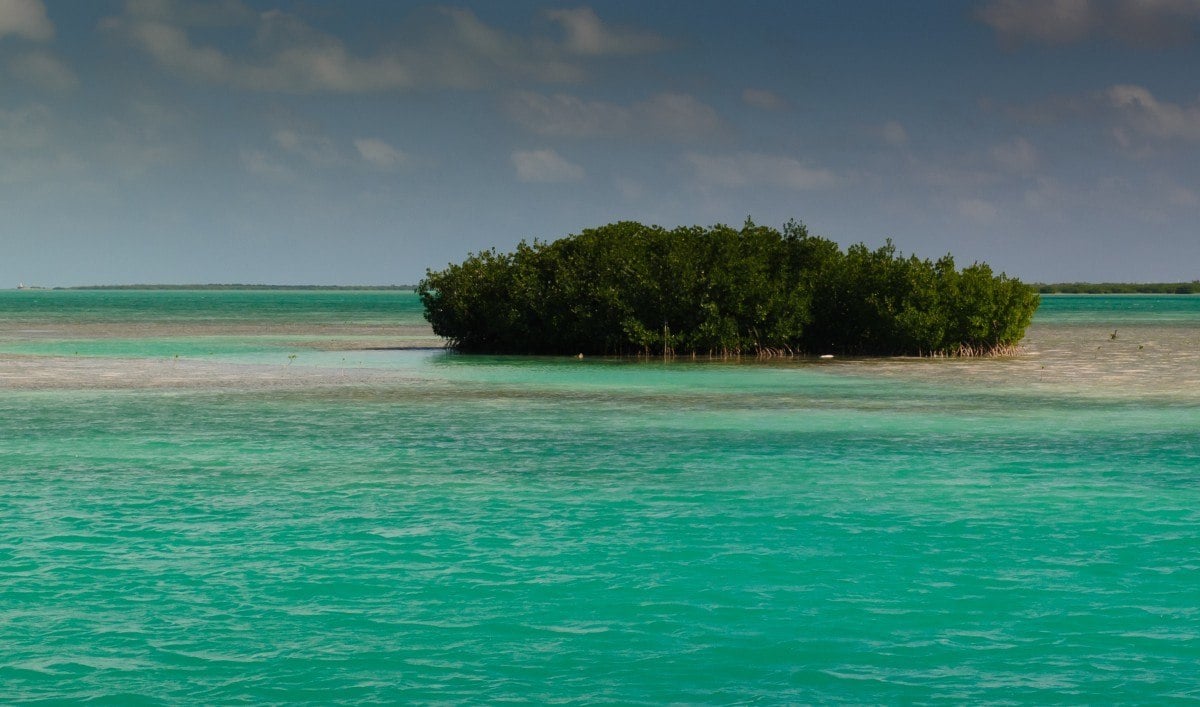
column 307, row 142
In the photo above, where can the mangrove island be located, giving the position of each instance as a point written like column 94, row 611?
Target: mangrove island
column 631, row 289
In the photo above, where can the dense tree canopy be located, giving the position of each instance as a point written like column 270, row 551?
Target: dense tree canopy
column 627, row 288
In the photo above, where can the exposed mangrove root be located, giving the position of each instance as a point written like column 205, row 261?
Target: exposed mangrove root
column 766, row 353
column 986, row 351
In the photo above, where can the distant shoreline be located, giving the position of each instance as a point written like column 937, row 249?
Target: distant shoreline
column 233, row 287
column 1119, row 288
column 1057, row 288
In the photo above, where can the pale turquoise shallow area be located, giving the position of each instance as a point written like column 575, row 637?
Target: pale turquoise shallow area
column 365, row 526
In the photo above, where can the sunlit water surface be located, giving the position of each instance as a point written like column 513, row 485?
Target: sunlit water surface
column 262, row 497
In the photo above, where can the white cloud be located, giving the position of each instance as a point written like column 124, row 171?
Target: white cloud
column 193, row 13
column 1047, row 21
column 315, row 63
column 453, row 47
column 294, row 151
column 25, row 18
column 170, row 46
column 1141, row 22
column 567, row 116
column 449, row 47
column 977, row 210
column 762, row 98
column 1153, row 118
column 747, row 169
column 43, row 70
column 544, row 166
column 587, row 35
column 1016, row 155
column 675, row 116
column 259, row 163
column 894, row 134
column 379, row 153
column 1046, row 194
column 315, row 149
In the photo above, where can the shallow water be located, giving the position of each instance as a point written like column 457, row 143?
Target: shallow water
column 218, row 501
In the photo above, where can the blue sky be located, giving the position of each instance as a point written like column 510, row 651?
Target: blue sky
column 362, row 142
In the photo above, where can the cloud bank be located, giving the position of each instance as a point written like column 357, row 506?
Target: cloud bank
column 1153, row 118
column 436, row 47
column 25, row 18
column 587, row 35
column 749, row 169
column 545, row 166
column 379, row 153
column 1149, row 23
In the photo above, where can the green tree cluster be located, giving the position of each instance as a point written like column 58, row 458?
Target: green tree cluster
column 627, row 288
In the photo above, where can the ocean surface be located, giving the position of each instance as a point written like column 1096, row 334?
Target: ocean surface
column 270, row 497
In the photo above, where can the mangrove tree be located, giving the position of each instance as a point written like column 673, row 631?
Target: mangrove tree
column 631, row 289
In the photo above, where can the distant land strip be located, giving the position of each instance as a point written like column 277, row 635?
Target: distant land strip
column 1120, row 288
column 239, row 287
column 1061, row 288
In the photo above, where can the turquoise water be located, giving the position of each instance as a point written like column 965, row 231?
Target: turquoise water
column 192, row 516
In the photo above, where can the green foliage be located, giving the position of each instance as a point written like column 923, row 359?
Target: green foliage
column 627, row 288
